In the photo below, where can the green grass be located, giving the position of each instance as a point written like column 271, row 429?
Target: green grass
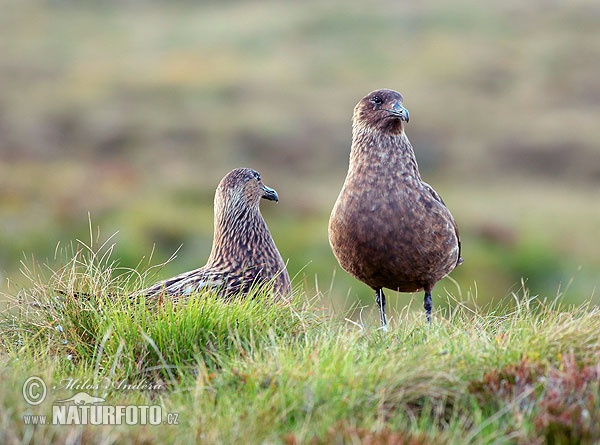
column 248, row 371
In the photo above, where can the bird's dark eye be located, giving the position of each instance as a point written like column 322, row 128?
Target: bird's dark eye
column 377, row 100
column 256, row 176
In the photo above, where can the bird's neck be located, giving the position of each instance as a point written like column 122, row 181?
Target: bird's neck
column 236, row 230
column 374, row 150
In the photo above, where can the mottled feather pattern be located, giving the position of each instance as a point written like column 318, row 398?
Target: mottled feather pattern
column 243, row 253
column 388, row 228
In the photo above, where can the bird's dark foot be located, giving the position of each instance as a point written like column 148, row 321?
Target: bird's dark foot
column 380, row 299
column 428, row 304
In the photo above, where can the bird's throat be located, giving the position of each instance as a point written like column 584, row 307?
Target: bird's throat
column 374, row 152
column 236, row 234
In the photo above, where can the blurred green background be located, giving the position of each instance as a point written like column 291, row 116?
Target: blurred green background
column 133, row 112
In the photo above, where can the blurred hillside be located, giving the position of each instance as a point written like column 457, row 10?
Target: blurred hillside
column 134, row 111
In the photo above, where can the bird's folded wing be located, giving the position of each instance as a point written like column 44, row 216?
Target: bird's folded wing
column 187, row 283
column 438, row 198
column 433, row 193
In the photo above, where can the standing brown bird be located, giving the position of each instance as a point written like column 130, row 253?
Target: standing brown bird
column 388, row 228
column 243, row 253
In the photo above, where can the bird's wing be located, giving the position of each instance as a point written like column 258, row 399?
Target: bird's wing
column 186, row 283
column 433, row 193
column 438, row 198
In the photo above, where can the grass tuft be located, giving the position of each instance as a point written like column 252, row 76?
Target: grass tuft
column 251, row 370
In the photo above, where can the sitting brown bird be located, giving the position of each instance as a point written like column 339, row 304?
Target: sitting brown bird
column 243, row 253
column 388, row 228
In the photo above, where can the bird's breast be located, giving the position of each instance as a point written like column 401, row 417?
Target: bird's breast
column 378, row 236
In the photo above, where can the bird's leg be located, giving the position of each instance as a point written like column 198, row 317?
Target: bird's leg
column 380, row 299
column 428, row 304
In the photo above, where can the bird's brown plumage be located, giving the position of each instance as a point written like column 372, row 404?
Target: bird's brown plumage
column 243, row 253
column 388, row 228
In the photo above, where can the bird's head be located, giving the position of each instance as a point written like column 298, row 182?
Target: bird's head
column 243, row 186
column 381, row 110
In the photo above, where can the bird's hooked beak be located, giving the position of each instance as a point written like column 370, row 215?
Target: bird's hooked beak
column 399, row 111
column 269, row 193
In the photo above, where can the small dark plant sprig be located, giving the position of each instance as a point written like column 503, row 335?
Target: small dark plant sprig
column 569, row 410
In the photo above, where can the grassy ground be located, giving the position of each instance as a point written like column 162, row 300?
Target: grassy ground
column 253, row 372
